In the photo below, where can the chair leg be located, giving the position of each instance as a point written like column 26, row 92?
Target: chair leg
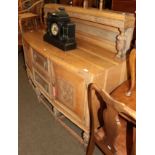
column 91, row 146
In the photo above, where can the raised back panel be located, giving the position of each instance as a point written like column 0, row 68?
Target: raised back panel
column 104, row 28
column 96, row 34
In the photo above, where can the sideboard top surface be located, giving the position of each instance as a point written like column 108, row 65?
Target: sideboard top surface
column 95, row 60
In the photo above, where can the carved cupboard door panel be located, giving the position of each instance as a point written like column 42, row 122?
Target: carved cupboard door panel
column 70, row 90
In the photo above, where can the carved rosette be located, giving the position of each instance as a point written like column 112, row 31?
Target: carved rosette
column 121, row 44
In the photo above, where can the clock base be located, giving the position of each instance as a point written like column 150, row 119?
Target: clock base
column 65, row 46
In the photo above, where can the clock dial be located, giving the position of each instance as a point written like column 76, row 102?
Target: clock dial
column 54, row 29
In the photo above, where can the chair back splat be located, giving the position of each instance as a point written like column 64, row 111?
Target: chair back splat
column 111, row 124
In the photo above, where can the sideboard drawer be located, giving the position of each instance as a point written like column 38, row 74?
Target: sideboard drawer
column 41, row 82
column 40, row 60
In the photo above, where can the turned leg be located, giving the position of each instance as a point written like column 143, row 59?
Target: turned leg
column 56, row 112
column 120, row 44
column 85, row 139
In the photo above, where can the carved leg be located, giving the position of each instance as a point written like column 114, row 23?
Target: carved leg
column 120, row 44
column 56, row 112
column 85, row 139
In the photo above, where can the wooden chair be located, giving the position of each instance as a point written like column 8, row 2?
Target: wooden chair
column 111, row 124
column 31, row 14
column 126, row 92
column 118, row 130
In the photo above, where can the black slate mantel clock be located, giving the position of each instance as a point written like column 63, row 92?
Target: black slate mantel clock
column 60, row 30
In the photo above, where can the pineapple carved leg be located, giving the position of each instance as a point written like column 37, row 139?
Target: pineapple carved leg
column 56, row 112
column 121, row 44
column 85, row 139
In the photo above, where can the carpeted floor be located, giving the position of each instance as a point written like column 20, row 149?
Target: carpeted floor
column 39, row 133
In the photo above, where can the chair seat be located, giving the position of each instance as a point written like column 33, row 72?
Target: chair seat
column 120, row 143
column 120, row 94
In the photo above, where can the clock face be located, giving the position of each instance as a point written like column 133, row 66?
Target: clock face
column 54, row 29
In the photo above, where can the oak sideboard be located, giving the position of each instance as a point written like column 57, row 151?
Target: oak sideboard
column 103, row 38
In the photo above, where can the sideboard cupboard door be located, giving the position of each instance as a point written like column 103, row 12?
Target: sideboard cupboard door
column 40, row 60
column 27, row 54
column 70, row 90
